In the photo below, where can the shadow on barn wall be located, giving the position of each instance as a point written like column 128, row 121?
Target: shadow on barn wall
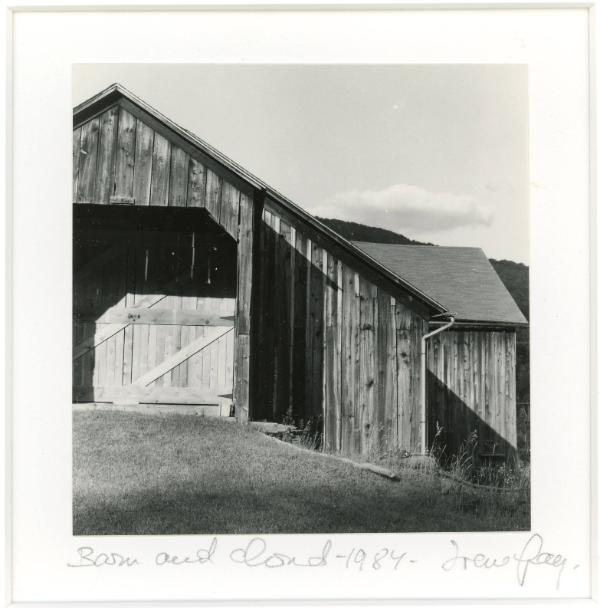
column 453, row 421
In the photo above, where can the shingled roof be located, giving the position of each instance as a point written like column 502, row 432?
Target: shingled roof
column 460, row 278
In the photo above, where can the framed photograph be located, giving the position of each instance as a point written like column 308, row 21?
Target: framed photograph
column 301, row 304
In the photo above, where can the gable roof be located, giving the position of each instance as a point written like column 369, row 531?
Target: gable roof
column 117, row 94
column 461, row 278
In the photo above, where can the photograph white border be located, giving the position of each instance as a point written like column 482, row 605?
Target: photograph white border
column 20, row 8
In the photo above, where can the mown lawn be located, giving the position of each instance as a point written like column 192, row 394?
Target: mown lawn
column 177, row 474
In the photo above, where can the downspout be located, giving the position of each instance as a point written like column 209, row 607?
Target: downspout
column 424, row 339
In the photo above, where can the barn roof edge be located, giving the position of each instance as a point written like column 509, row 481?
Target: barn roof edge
column 111, row 95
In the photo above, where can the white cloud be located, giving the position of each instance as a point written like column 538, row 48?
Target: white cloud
column 403, row 206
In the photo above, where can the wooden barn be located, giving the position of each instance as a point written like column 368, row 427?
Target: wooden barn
column 197, row 284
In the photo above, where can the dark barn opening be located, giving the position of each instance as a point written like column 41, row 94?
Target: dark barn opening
column 154, row 293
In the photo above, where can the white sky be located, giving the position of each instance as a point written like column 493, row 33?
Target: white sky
column 437, row 153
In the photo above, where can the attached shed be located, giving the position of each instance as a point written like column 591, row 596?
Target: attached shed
column 471, row 384
column 197, row 284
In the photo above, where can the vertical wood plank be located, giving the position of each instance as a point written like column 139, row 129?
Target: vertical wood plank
column 338, row 353
column 291, row 243
column 308, row 328
column 347, row 368
column 241, row 382
column 284, row 279
column 368, row 295
column 178, row 179
column 269, row 313
column 161, row 160
column 213, row 194
column 229, row 209
column 244, row 265
column 404, row 372
column 276, row 310
column 88, row 160
column 358, row 388
column 119, row 350
column 125, row 155
column 386, row 370
column 317, row 285
column 332, row 374
column 106, row 155
column 129, row 301
column 196, row 196
column 142, row 169
column 299, row 358
column 245, row 236
column 76, row 161
column 419, row 327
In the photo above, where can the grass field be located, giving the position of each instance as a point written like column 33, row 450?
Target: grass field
column 177, row 474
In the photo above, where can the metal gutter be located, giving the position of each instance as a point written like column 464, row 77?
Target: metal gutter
column 423, row 379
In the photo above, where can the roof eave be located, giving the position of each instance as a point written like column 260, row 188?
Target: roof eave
column 486, row 324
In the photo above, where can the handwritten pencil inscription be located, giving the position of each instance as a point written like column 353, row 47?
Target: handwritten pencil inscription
column 257, row 553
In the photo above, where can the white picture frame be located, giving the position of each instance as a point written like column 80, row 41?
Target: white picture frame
column 43, row 42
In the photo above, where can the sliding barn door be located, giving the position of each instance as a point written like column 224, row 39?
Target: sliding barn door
column 153, row 318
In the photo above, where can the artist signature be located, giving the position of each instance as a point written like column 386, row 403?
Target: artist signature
column 531, row 554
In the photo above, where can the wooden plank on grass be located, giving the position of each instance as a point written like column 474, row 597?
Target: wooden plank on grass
column 211, row 334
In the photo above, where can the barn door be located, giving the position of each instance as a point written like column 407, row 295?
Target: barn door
column 153, row 319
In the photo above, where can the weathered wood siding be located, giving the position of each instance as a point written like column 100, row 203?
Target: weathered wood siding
column 332, row 346
column 471, row 388
column 124, row 156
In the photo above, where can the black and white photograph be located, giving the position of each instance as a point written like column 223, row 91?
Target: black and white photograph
column 300, row 299
column 301, row 304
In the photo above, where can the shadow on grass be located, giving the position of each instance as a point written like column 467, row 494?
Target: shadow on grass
column 141, row 474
